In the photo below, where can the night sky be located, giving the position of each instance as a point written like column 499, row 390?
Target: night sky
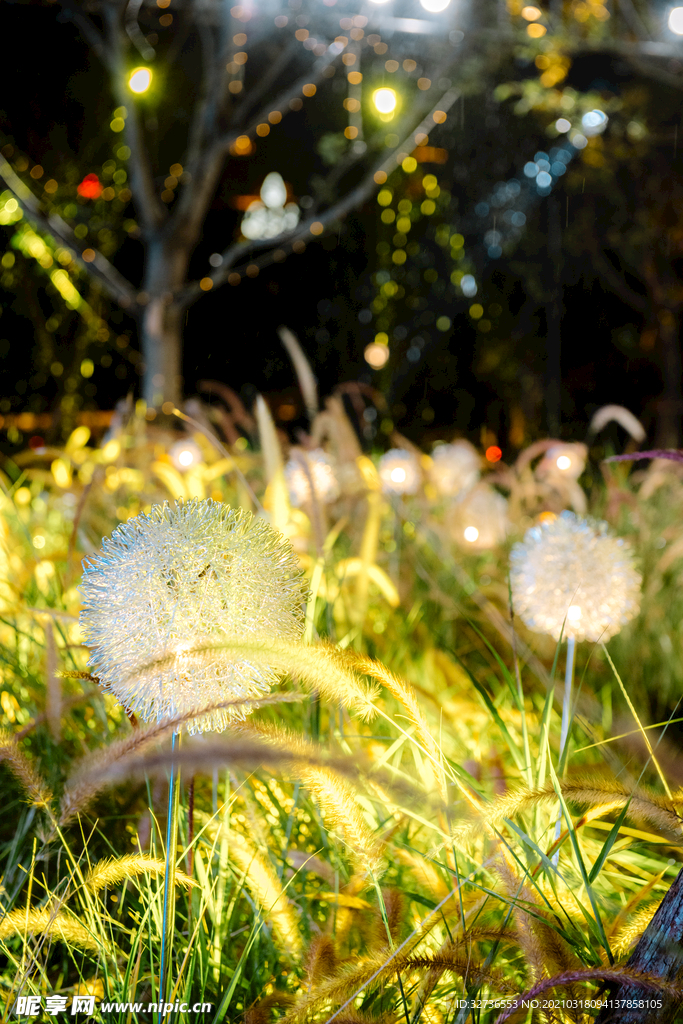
column 52, row 108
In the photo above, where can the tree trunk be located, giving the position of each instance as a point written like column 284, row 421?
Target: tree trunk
column 162, row 322
column 660, row 953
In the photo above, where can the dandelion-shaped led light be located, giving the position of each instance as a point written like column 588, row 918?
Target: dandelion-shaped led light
column 571, row 577
column 399, row 472
column 168, row 589
column 563, row 461
column 479, row 521
column 185, row 455
column 310, row 475
column 455, row 468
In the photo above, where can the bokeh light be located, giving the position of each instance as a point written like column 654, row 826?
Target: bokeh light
column 676, row 20
column 434, row 6
column 384, row 100
column 471, row 534
column 140, row 80
column 185, row 454
column 376, row 355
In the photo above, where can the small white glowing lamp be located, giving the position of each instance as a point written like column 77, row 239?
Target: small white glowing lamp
column 676, row 21
column 384, row 100
column 185, row 455
column 399, row 472
column 140, row 80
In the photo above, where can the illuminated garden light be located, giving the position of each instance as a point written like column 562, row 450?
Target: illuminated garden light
column 676, row 20
column 384, row 100
column 399, row 472
column 185, row 455
column 376, row 355
column 140, row 80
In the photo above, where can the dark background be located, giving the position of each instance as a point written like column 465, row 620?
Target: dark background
column 55, row 102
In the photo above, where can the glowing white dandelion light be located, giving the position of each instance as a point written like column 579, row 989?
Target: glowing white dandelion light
column 311, row 473
column 168, row 585
column 455, row 468
column 479, row 520
column 571, row 572
column 399, row 472
column 185, row 455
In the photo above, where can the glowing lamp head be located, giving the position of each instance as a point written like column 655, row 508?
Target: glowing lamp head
column 399, row 472
column 384, row 100
column 676, row 21
column 185, row 455
column 376, row 355
column 471, row 534
column 140, row 80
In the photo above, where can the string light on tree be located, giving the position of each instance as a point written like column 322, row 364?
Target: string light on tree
column 140, row 80
column 385, row 100
column 675, row 21
column 455, row 468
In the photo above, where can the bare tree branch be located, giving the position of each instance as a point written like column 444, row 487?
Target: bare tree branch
column 303, row 231
column 114, row 283
column 151, row 211
column 271, row 75
column 90, row 33
column 617, row 283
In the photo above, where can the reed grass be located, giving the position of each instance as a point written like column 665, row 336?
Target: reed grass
column 375, row 842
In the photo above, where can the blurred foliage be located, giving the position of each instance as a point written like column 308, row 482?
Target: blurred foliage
column 307, row 879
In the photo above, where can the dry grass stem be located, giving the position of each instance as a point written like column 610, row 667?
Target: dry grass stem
column 23, row 770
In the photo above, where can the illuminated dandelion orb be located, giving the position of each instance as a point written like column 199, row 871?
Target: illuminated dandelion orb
column 455, row 468
column 185, row 455
column 308, row 474
column 479, row 521
column 173, row 582
column 571, row 572
column 399, row 472
column 563, row 461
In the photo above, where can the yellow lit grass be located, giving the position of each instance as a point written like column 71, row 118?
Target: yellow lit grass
column 54, row 924
column 605, row 795
column 268, row 893
column 112, row 871
column 23, row 770
column 99, row 768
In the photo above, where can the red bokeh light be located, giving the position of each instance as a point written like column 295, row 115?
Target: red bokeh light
column 90, row 187
column 494, row 454
column 36, row 442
